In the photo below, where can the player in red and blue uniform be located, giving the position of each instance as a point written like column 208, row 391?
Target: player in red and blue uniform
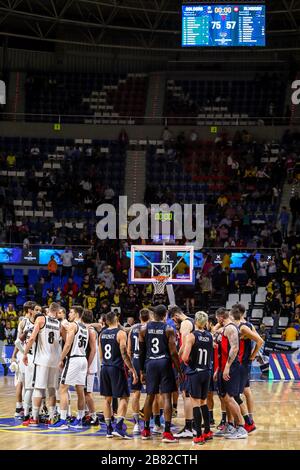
column 247, row 353
column 229, row 376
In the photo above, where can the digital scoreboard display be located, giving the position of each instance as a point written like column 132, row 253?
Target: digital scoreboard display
column 223, row 25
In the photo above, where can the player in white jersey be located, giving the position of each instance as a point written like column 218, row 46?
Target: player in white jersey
column 46, row 334
column 74, row 365
column 91, row 417
column 28, row 326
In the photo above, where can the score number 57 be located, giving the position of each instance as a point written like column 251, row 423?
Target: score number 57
column 229, row 24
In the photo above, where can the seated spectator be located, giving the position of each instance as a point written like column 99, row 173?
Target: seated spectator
column 11, row 291
column 109, row 194
column 250, row 287
column 222, row 200
column 35, row 151
column 10, row 333
column 11, row 161
column 70, row 285
column 290, row 334
column 52, row 266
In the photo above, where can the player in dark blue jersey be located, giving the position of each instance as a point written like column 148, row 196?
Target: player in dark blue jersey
column 133, row 352
column 157, row 353
column 198, row 355
column 184, row 325
column 113, row 379
column 247, row 353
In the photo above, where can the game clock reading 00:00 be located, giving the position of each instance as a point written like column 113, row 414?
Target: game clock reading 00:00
column 223, row 25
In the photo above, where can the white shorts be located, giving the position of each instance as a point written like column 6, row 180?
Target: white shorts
column 19, row 377
column 74, row 371
column 29, row 373
column 45, row 377
column 90, row 379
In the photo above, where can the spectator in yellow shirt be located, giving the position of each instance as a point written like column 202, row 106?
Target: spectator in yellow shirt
column 11, row 161
column 11, row 291
column 297, row 299
column 222, row 200
column 226, row 261
column 290, row 334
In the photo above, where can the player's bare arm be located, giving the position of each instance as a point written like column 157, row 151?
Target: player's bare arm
column 122, row 340
column 254, row 336
column 185, row 329
column 39, row 323
column 173, row 350
column 233, row 337
column 142, row 353
column 92, row 345
column 129, row 352
column 68, row 343
column 190, row 340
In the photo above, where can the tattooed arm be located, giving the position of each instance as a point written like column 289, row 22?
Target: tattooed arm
column 233, row 337
column 122, row 340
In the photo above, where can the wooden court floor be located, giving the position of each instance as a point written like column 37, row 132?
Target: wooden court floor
column 277, row 417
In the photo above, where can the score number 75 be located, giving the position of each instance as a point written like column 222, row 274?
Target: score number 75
column 229, row 24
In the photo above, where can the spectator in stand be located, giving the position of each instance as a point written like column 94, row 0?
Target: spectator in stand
column 272, row 268
column 11, row 161
column 123, row 140
column 10, row 334
column 70, row 285
column 52, row 266
column 108, row 278
column 222, row 200
column 205, row 285
column 250, row 286
column 284, row 218
column 250, row 266
column 262, row 271
column 109, row 194
column 35, row 151
column 11, row 291
column 167, row 135
column 67, row 265
column 2, row 344
column 39, row 291
column 295, row 207
column 10, row 313
column 290, row 334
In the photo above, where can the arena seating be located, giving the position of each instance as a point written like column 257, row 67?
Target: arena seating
column 225, row 101
column 106, row 98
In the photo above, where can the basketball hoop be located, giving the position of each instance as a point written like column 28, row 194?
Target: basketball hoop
column 159, row 284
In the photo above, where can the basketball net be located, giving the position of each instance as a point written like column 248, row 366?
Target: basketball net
column 159, row 284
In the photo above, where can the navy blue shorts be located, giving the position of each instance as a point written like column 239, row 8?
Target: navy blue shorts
column 113, row 382
column 232, row 386
column 244, row 376
column 160, row 377
column 198, row 384
column 138, row 386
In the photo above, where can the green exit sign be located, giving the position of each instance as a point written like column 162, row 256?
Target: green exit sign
column 214, row 130
column 57, row 126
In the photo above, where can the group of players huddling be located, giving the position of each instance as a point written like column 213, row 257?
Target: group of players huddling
column 200, row 356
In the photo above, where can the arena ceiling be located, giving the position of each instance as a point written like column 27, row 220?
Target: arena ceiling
column 127, row 24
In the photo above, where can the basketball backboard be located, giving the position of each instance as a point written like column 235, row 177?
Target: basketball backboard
column 147, row 262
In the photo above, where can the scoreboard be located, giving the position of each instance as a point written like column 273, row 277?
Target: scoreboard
column 223, row 25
